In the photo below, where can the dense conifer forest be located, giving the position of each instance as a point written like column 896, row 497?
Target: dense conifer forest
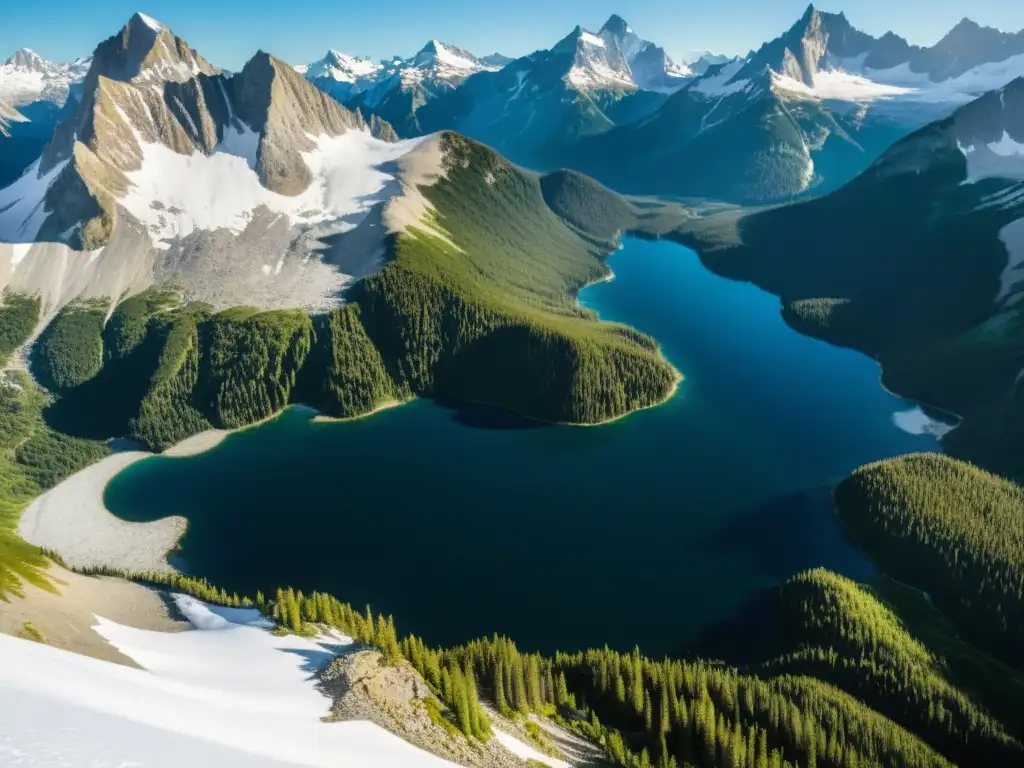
column 952, row 530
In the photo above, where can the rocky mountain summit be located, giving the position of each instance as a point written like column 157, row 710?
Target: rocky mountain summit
column 165, row 151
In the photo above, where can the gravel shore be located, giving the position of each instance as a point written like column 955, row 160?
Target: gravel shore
column 72, row 521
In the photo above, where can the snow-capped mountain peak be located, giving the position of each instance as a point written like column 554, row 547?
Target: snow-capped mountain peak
column 27, row 59
column 146, row 50
column 447, row 57
column 598, row 62
column 27, row 77
column 650, row 67
column 342, row 68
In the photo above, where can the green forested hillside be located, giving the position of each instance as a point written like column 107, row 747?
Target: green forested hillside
column 476, row 303
column 32, row 458
column 18, row 317
column 483, row 307
column 952, row 530
column 595, row 210
column 70, row 351
column 843, row 633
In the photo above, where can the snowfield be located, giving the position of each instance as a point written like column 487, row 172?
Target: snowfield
column 841, row 86
column 173, row 195
column 718, row 84
column 1003, row 159
column 852, row 81
column 22, row 209
column 227, row 694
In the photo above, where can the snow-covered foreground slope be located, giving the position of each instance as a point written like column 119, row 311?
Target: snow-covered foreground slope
column 228, row 693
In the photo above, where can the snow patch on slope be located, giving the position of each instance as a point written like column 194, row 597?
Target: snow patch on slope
column 23, row 204
column 525, row 751
column 1012, row 236
column 445, row 55
column 152, row 23
column 228, row 693
column 718, row 84
column 174, row 194
column 341, row 67
column 852, row 81
column 1002, row 159
column 841, row 86
column 590, row 39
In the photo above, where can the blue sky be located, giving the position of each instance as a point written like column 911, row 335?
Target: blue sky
column 227, row 32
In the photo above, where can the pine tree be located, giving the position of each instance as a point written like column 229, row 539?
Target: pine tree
column 294, row 617
column 499, row 688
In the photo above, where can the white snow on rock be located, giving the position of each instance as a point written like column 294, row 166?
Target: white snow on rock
column 718, row 84
column 525, row 751
column 850, row 80
column 841, row 86
column 152, row 23
column 228, row 693
column 1012, row 236
column 596, row 74
column 26, row 77
column 1007, row 146
column 1002, row 159
column 341, row 67
column 446, row 55
column 22, row 204
column 174, row 194
column 590, row 39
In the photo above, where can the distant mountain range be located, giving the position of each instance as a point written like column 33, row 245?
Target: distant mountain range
column 807, row 111
column 34, row 95
column 803, row 113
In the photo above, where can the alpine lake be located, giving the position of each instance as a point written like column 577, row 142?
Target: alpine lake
column 465, row 521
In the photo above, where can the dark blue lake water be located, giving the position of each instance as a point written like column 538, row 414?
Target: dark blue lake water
column 464, row 522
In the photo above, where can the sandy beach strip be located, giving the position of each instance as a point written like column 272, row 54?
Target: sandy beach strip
column 71, row 520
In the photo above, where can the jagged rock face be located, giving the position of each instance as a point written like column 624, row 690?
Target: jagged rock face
column 649, row 64
column 235, row 178
column 597, row 63
column 341, row 75
column 966, row 46
column 802, row 50
column 128, row 106
column 274, row 100
column 825, row 40
column 144, row 50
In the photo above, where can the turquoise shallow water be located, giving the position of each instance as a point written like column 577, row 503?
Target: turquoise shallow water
column 466, row 521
